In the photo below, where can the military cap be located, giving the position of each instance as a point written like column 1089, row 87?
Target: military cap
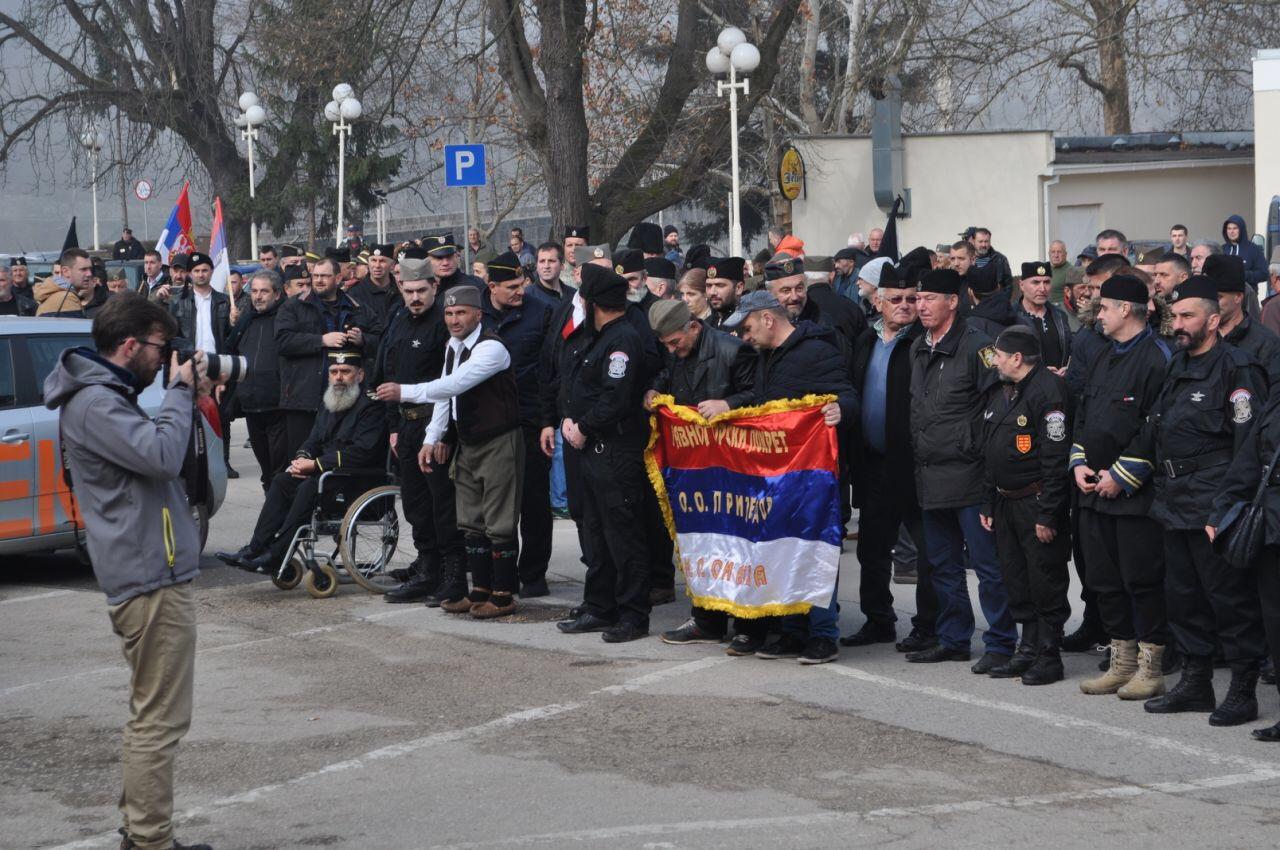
column 578, row 231
column 670, row 229
column 1124, row 287
column 968, row 232
column 1196, row 286
column 1149, row 257
column 440, row 245
column 341, row 253
column 17, row 261
column 180, row 261
column 727, row 268
column 1036, row 268
column 647, row 237
column 414, row 268
column 660, row 267
column 697, row 257
column 464, row 295
column 919, row 257
column 943, row 281
column 288, row 250
column 1018, row 339
column 411, row 252
column 295, row 271
column 198, row 259
column 668, row 316
column 818, row 263
column 584, row 254
column 383, row 251
column 1089, row 252
column 1227, row 272
column 504, row 267
column 982, row 280
column 628, row 261
column 345, row 357
column 889, row 278
column 362, row 259
column 313, row 257
column 783, row 265
column 750, row 303
column 603, row 286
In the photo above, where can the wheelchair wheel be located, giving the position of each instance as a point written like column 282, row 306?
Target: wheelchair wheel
column 321, row 582
column 375, row 538
column 288, row 578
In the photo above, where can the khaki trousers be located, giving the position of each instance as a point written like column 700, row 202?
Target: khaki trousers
column 158, row 635
column 489, row 478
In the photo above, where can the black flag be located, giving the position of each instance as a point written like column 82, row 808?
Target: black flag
column 889, row 242
column 72, row 240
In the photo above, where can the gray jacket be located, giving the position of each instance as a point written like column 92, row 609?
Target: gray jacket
column 126, row 475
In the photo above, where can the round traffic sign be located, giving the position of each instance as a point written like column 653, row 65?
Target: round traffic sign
column 142, row 189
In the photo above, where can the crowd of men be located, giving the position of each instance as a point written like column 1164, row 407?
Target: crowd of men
column 1007, row 419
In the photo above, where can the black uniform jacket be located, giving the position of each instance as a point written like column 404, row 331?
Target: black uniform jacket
column 354, row 438
column 947, row 383
column 720, row 366
column 835, row 311
column 1245, row 473
column 381, row 302
column 1121, row 390
column 1027, row 433
column 993, row 314
column 411, row 351
column 1200, row 421
column 606, row 383
column 1260, row 342
column 300, row 326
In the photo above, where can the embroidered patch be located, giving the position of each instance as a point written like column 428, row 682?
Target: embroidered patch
column 1022, row 421
column 1023, row 442
column 1055, row 424
column 1197, row 396
column 988, row 356
column 618, row 364
column 1241, row 406
column 417, row 343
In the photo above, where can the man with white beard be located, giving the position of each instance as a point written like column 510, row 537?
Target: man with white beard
column 350, row 432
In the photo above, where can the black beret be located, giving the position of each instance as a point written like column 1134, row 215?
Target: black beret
column 982, row 280
column 603, row 286
column 660, row 267
column 578, row 231
column 944, row 281
column 504, row 267
column 1196, row 286
column 1124, row 287
column 1018, row 339
column 729, row 268
column 198, row 259
column 628, row 261
column 698, row 257
column 647, row 237
column 1226, row 270
column 340, row 254
column 846, row 254
column 1037, row 268
column 920, row 257
column 783, row 265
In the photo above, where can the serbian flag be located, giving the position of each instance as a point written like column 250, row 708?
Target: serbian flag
column 218, row 250
column 751, row 498
column 176, row 236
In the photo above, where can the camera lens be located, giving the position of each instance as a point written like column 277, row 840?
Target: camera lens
column 226, row 367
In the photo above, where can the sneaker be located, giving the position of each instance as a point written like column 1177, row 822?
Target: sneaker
column 785, row 646
column 819, row 651
column 560, row 513
column 744, row 645
column 690, row 632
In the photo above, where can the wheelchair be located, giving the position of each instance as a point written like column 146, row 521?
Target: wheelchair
column 357, row 533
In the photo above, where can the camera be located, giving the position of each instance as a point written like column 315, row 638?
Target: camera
column 219, row 368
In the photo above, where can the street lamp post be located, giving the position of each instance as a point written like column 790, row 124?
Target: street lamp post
column 733, row 54
column 343, row 109
column 93, row 141
column 251, row 117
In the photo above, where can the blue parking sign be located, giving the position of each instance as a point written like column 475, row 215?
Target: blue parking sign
column 464, row 165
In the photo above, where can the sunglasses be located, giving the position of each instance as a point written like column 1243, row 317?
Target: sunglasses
column 898, row 299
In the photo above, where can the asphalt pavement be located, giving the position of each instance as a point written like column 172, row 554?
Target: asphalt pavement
column 352, row 723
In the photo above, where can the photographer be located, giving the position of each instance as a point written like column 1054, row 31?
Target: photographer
column 125, row 471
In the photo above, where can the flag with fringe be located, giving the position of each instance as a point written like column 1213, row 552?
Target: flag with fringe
column 751, row 498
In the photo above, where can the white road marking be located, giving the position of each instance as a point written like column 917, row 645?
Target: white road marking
column 597, row 837
column 33, row 596
column 1062, row 721
column 405, row 748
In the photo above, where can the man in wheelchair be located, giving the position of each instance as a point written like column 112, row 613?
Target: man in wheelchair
column 350, row 432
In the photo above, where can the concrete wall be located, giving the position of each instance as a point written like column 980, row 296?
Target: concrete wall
column 956, row 180
column 1266, row 133
column 1144, row 204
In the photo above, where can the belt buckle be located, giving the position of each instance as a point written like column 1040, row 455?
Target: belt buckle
column 1169, row 469
column 598, row 448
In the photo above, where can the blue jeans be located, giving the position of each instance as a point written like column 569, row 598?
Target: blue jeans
column 946, row 532
column 819, row 622
column 559, row 493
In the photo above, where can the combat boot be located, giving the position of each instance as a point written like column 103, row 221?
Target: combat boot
column 1121, row 668
column 1240, row 705
column 1047, row 668
column 453, row 581
column 1194, row 691
column 1023, row 657
column 1148, row 682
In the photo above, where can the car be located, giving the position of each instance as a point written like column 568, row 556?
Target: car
column 36, row 508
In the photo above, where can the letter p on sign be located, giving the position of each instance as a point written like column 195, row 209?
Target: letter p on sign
column 464, row 165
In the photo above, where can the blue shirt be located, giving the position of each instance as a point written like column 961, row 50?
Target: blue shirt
column 875, row 390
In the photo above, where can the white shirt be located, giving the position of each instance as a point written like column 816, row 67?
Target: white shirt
column 204, row 323
column 487, row 359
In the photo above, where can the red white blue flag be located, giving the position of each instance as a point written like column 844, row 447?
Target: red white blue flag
column 176, row 236
column 218, row 250
column 751, row 498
